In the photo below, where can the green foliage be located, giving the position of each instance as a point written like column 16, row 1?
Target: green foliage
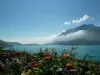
column 49, row 62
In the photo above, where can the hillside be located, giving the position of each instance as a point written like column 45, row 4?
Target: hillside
column 87, row 34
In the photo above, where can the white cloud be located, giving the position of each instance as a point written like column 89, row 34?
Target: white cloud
column 91, row 18
column 67, row 23
column 40, row 39
column 67, row 37
column 81, row 34
column 60, row 32
column 71, row 36
column 52, row 38
column 85, row 17
column 63, row 31
column 82, row 19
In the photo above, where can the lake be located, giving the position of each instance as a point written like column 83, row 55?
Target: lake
column 93, row 50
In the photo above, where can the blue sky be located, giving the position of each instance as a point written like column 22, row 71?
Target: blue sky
column 28, row 21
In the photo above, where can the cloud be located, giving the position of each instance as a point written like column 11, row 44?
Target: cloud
column 40, row 39
column 71, row 36
column 91, row 18
column 67, row 23
column 60, row 32
column 82, row 19
column 80, row 34
column 85, row 17
column 52, row 38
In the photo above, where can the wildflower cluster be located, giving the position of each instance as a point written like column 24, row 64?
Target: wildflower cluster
column 47, row 62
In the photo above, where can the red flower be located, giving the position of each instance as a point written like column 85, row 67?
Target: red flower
column 36, row 65
column 73, row 70
column 49, row 55
column 68, row 65
column 47, row 58
column 66, row 55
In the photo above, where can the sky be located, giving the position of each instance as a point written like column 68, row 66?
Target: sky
column 35, row 21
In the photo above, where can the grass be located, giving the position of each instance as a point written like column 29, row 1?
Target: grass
column 47, row 62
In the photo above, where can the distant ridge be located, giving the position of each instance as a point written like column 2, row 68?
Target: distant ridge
column 89, row 35
column 14, row 43
column 3, row 44
column 89, row 27
column 31, row 44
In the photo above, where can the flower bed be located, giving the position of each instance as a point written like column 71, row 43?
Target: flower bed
column 46, row 62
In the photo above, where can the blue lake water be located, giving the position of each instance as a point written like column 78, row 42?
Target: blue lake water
column 93, row 50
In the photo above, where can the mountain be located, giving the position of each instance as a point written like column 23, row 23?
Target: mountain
column 31, row 44
column 87, row 34
column 9, row 44
column 3, row 44
column 88, row 27
column 17, row 43
column 14, row 43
